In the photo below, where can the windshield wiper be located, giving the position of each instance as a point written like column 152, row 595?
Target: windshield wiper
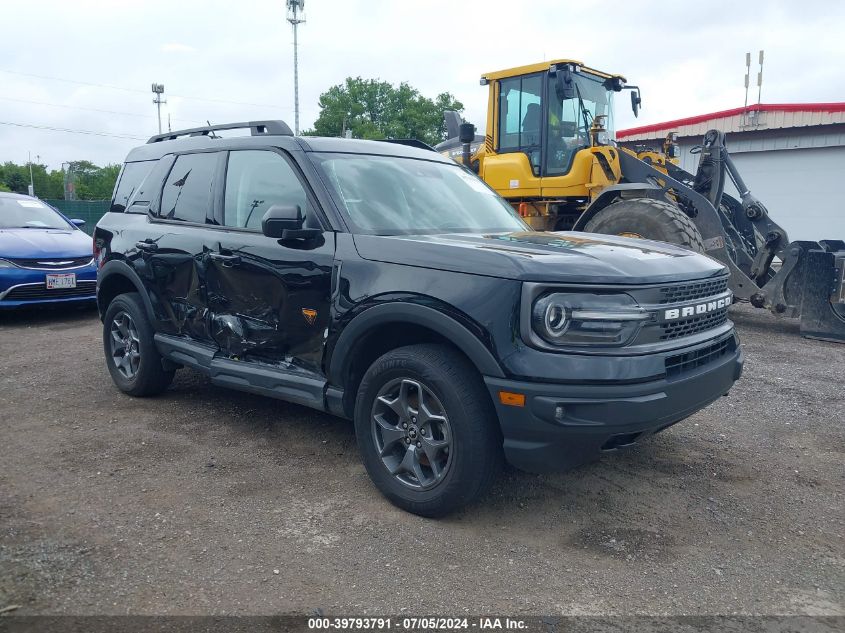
column 584, row 111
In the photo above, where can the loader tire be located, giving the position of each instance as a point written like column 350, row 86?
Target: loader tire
column 650, row 219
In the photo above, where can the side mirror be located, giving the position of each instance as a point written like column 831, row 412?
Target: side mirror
column 78, row 223
column 284, row 222
column 280, row 218
column 636, row 101
column 564, row 87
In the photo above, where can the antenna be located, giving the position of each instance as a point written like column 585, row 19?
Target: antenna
column 760, row 79
column 747, row 76
column 296, row 17
column 158, row 90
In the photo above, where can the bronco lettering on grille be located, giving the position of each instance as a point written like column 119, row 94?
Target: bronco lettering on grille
column 697, row 309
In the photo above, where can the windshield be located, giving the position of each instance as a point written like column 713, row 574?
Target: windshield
column 570, row 119
column 28, row 213
column 387, row 195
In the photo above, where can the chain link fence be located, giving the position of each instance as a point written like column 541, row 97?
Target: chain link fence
column 89, row 210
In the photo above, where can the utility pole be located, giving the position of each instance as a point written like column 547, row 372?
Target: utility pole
column 158, row 90
column 69, row 193
column 31, row 181
column 295, row 17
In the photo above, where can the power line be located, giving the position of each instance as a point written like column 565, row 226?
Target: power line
column 112, row 87
column 61, row 105
column 72, row 131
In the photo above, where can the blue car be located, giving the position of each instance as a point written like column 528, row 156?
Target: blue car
column 44, row 257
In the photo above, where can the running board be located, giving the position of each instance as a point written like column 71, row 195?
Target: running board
column 293, row 385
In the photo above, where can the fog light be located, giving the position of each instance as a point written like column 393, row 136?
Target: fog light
column 560, row 413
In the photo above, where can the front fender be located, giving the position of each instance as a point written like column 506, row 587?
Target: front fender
column 412, row 313
column 611, row 193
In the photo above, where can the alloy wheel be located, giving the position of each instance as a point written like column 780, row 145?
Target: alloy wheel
column 412, row 433
column 125, row 344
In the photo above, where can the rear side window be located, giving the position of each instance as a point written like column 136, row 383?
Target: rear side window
column 130, row 179
column 255, row 181
column 187, row 190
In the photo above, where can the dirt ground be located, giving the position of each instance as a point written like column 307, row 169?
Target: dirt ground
column 206, row 501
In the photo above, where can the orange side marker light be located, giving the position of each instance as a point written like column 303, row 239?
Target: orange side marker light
column 512, row 399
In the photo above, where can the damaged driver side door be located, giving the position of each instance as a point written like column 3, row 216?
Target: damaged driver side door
column 268, row 298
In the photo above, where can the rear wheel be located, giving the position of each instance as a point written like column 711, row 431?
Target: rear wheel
column 131, row 355
column 426, row 429
column 650, row 219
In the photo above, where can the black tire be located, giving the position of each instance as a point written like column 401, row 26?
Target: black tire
column 474, row 456
column 148, row 376
column 648, row 218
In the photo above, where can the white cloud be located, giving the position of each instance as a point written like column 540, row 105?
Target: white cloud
column 175, row 47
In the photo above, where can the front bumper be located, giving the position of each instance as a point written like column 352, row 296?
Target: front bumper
column 21, row 287
column 563, row 425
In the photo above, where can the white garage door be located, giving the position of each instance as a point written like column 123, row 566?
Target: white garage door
column 801, row 188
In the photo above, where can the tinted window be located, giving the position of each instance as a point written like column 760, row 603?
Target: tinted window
column 187, row 190
column 255, row 181
column 132, row 176
column 150, row 187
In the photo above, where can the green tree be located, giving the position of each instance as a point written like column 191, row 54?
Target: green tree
column 373, row 109
column 91, row 182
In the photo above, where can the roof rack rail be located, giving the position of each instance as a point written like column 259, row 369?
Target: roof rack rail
column 257, row 128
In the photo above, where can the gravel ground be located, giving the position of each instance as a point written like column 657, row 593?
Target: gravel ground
column 206, row 501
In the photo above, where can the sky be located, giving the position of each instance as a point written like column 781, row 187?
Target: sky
column 88, row 65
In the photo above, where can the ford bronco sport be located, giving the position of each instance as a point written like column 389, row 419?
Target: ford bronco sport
column 384, row 283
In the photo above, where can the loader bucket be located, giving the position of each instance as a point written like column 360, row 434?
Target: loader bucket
column 823, row 302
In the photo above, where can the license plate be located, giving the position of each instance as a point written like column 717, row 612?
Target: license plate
column 66, row 280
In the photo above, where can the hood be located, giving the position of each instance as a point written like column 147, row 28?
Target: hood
column 544, row 257
column 32, row 243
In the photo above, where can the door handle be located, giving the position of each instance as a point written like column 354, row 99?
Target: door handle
column 146, row 245
column 226, row 260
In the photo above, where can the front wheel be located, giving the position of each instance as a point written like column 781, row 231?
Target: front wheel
column 650, row 219
column 426, row 429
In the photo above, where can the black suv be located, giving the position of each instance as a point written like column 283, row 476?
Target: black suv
column 384, row 283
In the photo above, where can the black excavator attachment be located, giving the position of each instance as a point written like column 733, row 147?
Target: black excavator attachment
column 798, row 279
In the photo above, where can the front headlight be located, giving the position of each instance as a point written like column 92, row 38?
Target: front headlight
column 587, row 319
column 6, row 264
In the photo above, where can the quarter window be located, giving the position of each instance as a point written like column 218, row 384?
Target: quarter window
column 255, row 181
column 187, row 191
column 131, row 178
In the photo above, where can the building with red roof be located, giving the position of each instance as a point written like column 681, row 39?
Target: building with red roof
column 791, row 155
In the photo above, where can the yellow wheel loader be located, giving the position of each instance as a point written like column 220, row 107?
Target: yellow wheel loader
column 549, row 149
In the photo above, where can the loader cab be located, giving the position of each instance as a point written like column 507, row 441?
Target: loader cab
column 540, row 119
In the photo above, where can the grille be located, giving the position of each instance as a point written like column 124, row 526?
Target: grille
column 693, row 325
column 39, row 291
column 691, row 292
column 682, row 363
column 52, row 262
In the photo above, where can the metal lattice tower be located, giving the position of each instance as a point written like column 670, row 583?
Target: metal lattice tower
column 295, row 17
